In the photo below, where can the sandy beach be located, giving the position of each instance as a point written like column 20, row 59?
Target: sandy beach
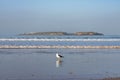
column 77, row 64
column 111, row 78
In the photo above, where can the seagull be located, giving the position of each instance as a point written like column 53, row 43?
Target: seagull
column 59, row 56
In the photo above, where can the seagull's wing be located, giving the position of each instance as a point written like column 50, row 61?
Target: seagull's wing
column 61, row 56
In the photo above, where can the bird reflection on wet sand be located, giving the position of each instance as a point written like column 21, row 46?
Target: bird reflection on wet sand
column 59, row 63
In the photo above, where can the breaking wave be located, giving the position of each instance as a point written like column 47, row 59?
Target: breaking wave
column 59, row 39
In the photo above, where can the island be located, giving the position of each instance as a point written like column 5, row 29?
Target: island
column 88, row 33
column 62, row 33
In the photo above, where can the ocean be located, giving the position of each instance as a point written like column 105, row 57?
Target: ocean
column 103, row 40
column 41, row 64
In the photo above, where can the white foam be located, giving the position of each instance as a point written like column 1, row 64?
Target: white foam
column 59, row 39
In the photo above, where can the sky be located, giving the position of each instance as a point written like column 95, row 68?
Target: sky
column 23, row 16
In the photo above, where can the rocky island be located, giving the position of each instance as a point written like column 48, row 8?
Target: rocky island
column 62, row 33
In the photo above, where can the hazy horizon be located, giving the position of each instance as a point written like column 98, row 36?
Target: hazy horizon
column 23, row 16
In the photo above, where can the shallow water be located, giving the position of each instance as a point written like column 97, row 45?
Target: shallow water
column 41, row 64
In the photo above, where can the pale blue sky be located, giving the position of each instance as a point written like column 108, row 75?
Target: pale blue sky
column 19, row 16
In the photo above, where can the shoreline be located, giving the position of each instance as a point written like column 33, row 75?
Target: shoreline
column 55, row 47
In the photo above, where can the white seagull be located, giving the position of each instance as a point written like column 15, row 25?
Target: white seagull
column 59, row 56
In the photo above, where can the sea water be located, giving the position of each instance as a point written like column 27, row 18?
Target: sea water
column 77, row 64
column 104, row 40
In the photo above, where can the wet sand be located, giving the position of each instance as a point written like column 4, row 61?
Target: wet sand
column 111, row 78
column 77, row 64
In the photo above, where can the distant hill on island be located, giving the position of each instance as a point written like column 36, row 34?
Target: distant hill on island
column 62, row 33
